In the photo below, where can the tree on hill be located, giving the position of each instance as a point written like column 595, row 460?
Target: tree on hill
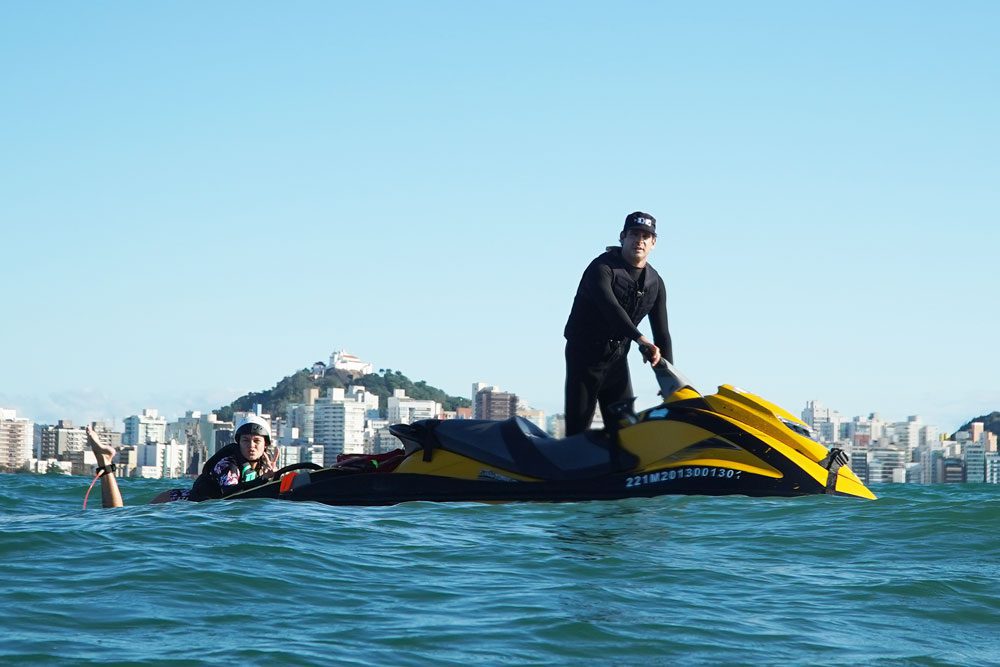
column 991, row 423
column 290, row 390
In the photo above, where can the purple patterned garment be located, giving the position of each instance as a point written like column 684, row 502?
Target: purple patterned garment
column 227, row 472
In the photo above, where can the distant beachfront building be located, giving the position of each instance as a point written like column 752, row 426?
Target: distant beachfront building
column 17, row 436
column 344, row 361
column 402, row 409
column 162, row 459
column 951, row 471
column 302, row 417
column 825, row 422
column 491, row 403
column 992, row 461
column 147, row 427
column 339, row 421
column 974, row 455
column 199, row 431
column 56, row 442
column 907, row 434
column 882, row 461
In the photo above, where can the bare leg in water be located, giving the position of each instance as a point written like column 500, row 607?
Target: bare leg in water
column 110, row 495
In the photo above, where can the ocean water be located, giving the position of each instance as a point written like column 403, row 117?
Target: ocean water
column 910, row 579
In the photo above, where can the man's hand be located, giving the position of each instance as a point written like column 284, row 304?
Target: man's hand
column 650, row 352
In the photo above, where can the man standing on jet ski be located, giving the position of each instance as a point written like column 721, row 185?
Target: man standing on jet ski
column 618, row 289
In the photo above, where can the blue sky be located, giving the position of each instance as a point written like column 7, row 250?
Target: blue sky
column 197, row 199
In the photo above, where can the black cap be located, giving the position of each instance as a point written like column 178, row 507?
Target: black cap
column 639, row 220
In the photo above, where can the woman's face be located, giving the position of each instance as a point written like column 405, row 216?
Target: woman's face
column 252, row 446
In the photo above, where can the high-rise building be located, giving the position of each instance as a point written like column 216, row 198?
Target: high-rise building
column 163, row 459
column 882, row 461
column 145, row 428
column 929, row 455
column 16, row 439
column 491, row 403
column 907, row 434
column 401, row 409
column 974, row 455
column 952, row 471
column 302, row 416
column 56, row 442
column 339, row 423
column 992, row 461
column 824, row 422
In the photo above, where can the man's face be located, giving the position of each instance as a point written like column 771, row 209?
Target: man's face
column 636, row 245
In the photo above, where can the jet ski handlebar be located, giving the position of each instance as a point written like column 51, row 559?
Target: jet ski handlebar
column 668, row 377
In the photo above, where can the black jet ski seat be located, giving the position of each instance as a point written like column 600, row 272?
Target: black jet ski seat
column 517, row 445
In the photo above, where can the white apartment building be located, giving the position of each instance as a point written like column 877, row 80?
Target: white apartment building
column 401, row 409
column 162, row 460
column 882, row 461
column 302, row 416
column 339, row 423
column 59, row 440
column 825, row 422
column 289, row 455
column 930, row 435
column 907, row 434
column 992, row 462
column 974, row 455
column 863, row 431
column 928, row 454
column 17, row 436
column 144, row 428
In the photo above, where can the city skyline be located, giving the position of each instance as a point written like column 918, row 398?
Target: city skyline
column 193, row 208
column 119, row 422
column 348, row 421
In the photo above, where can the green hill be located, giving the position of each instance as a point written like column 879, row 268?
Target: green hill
column 290, row 390
column 991, row 422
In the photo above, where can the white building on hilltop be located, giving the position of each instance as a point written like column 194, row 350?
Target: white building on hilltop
column 343, row 361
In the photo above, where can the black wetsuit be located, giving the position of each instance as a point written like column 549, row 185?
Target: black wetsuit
column 612, row 299
column 224, row 473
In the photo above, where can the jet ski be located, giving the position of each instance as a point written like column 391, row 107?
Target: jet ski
column 729, row 442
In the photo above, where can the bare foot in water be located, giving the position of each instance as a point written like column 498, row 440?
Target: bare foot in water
column 103, row 453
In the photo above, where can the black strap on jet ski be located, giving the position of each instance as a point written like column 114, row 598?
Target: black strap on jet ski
column 836, row 458
column 427, row 440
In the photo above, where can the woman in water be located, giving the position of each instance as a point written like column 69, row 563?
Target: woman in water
column 239, row 462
